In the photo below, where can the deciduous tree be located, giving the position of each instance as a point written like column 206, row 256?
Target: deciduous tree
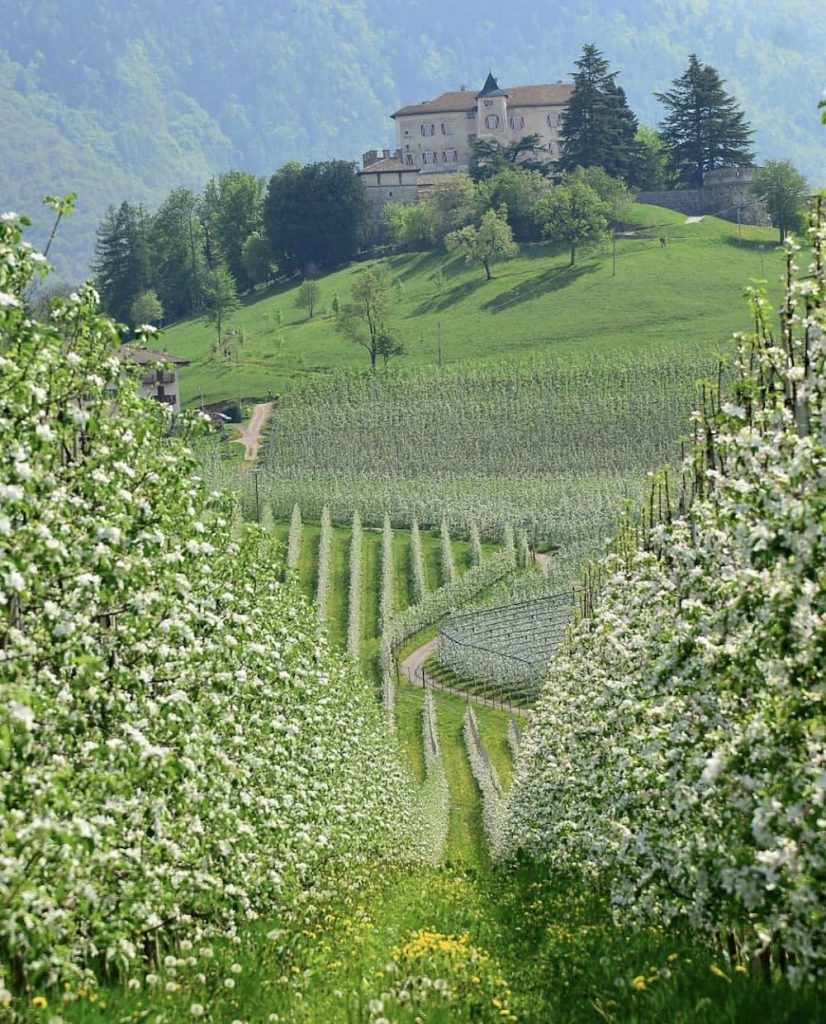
column 146, row 309
column 704, row 128
column 363, row 319
column 221, row 300
column 574, row 214
column 782, row 189
column 308, row 296
column 492, row 240
column 315, row 214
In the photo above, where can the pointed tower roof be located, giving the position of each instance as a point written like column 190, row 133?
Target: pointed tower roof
column 491, row 88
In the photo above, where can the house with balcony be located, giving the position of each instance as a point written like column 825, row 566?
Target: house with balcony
column 158, row 382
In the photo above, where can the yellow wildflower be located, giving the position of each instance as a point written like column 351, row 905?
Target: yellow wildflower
column 40, row 1002
column 740, row 969
column 638, row 983
column 718, row 972
column 672, row 958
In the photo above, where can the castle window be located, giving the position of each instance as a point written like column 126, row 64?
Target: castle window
column 488, row 103
column 408, row 159
column 428, row 156
column 553, row 120
column 428, row 129
column 492, row 121
column 449, row 156
column 447, row 127
column 471, row 115
column 517, row 121
column 471, row 136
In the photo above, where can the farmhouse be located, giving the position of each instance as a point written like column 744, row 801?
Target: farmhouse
column 158, row 382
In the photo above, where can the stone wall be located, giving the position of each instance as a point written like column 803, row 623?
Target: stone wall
column 725, row 191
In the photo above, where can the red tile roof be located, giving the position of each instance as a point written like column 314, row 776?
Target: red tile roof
column 518, row 96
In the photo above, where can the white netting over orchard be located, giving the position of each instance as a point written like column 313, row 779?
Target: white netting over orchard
column 509, row 646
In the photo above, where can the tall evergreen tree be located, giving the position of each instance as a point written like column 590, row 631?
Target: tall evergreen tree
column 178, row 265
column 704, row 128
column 121, row 264
column 599, row 128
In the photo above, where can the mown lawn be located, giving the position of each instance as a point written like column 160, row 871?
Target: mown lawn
column 687, row 295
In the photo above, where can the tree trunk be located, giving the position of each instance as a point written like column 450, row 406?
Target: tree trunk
column 486, row 265
column 573, row 255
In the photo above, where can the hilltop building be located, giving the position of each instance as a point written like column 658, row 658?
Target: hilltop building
column 435, row 136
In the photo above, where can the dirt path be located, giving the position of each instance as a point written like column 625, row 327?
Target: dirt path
column 693, row 220
column 250, row 438
column 413, row 669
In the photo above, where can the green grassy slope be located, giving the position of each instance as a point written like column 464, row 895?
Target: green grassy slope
column 686, row 295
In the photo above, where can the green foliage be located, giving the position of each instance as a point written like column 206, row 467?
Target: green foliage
column 363, row 319
column 221, row 300
column 490, row 242
column 257, row 258
column 783, row 190
column 180, row 750
column 489, row 157
column 146, row 309
column 517, row 190
column 598, row 128
column 411, row 227
column 573, row 214
column 231, row 213
column 652, row 168
column 178, row 254
column 677, row 751
column 612, row 191
column 122, row 259
column 315, row 214
column 704, row 128
column 307, row 296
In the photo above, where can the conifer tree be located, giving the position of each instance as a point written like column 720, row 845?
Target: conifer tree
column 599, row 128
column 704, row 128
column 121, row 264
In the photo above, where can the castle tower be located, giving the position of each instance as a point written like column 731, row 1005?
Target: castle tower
column 492, row 111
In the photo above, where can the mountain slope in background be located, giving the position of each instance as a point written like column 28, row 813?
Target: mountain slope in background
column 120, row 99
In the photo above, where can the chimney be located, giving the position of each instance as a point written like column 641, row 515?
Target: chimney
column 370, row 157
column 386, row 153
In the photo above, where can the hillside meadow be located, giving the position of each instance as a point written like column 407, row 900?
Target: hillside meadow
column 684, row 297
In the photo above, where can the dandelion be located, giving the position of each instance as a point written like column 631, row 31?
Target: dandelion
column 638, row 983
column 196, row 1010
column 719, row 973
column 740, row 969
column 40, row 1002
column 236, row 968
column 229, row 982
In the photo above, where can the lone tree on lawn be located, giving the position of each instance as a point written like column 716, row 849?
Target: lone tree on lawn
column 221, row 300
column 307, row 297
column 491, row 241
column 574, row 214
column 362, row 320
column 783, row 190
column 704, row 128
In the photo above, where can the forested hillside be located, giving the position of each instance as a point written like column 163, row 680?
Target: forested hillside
column 129, row 99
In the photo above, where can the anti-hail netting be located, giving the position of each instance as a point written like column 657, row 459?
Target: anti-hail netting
column 508, row 646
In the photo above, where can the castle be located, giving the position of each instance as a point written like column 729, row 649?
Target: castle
column 434, row 137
